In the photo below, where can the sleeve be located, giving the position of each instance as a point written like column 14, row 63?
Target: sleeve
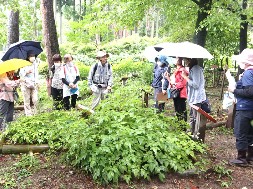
column 110, row 81
column 77, row 79
column 8, row 83
column 91, row 72
column 196, row 77
column 246, row 92
column 165, row 84
column 65, row 81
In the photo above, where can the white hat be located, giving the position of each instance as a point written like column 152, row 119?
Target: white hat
column 246, row 57
column 101, row 54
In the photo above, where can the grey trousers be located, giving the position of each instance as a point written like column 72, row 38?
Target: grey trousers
column 6, row 112
column 193, row 116
column 99, row 95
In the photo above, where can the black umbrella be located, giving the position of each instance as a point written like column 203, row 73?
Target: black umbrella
column 20, row 49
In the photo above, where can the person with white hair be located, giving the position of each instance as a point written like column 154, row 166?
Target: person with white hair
column 243, row 127
column 100, row 79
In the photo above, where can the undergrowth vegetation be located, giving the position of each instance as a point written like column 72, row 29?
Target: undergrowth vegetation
column 122, row 140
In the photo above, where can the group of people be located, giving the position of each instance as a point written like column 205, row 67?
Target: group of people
column 64, row 77
column 189, row 82
column 192, row 88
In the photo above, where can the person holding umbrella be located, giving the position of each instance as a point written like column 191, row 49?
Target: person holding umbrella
column 7, row 88
column 196, row 89
column 29, row 87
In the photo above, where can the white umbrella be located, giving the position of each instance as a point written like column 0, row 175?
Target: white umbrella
column 150, row 53
column 186, row 49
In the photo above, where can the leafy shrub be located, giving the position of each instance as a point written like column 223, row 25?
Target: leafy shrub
column 83, row 69
column 121, row 140
column 43, row 68
column 128, row 67
column 46, row 128
column 126, row 141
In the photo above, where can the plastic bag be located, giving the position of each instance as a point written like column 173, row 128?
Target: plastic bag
column 73, row 90
column 231, row 80
column 228, row 100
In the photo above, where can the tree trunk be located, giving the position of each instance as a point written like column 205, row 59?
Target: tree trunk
column 243, row 32
column 97, row 39
column 152, row 29
column 49, row 30
column 74, row 11
column 201, row 33
column 13, row 28
column 60, row 22
column 17, row 149
column 157, row 25
column 210, row 125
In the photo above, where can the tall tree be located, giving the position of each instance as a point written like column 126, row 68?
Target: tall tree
column 204, row 6
column 243, row 28
column 49, row 30
column 13, row 27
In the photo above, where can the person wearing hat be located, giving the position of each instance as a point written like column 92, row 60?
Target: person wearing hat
column 243, row 122
column 100, row 79
column 159, row 83
column 29, row 88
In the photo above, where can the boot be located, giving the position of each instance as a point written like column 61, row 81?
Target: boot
column 250, row 154
column 241, row 159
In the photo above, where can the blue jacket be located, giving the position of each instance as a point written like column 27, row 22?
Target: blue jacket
column 159, row 78
column 244, row 91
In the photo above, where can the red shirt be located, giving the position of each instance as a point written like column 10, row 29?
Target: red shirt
column 180, row 82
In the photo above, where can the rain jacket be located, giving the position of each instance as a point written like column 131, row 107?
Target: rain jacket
column 159, row 81
column 244, row 91
column 180, row 82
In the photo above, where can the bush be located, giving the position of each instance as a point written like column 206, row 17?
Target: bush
column 121, row 140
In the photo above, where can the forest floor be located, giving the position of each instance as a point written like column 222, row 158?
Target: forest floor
column 50, row 173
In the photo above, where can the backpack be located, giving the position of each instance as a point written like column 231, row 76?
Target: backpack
column 96, row 67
